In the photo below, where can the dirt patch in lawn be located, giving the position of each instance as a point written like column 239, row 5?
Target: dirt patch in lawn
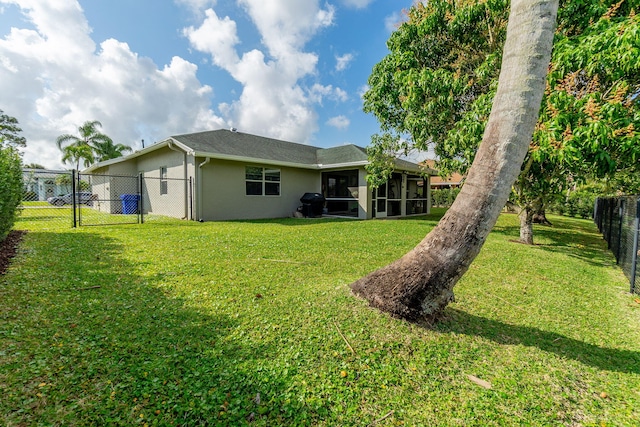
column 8, row 248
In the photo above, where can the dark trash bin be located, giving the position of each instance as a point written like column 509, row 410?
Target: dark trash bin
column 312, row 204
column 129, row 203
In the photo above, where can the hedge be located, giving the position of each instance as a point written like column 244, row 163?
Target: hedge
column 10, row 189
column 443, row 197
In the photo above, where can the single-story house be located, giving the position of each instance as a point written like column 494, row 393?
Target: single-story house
column 226, row 174
column 40, row 184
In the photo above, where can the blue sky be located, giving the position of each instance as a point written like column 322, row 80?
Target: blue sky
column 148, row 69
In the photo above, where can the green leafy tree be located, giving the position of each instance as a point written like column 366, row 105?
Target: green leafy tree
column 438, row 84
column 9, row 132
column 420, row 284
column 34, row 166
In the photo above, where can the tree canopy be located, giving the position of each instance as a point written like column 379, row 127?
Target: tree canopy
column 437, row 84
column 34, row 166
column 10, row 132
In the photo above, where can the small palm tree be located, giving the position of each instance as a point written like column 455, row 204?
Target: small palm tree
column 76, row 152
column 85, row 146
column 108, row 150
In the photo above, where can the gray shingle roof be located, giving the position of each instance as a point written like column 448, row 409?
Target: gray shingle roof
column 243, row 145
column 236, row 145
column 233, row 143
column 342, row 154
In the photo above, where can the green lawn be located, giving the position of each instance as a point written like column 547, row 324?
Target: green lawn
column 33, row 204
column 242, row 323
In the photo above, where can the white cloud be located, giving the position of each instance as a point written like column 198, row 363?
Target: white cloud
column 217, row 37
column 358, row 4
column 318, row 93
column 393, row 21
column 286, row 25
column 54, row 79
column 197, row 5
column 339, row 122
column 273, row 101
column 340, row 95
column 362, row 90
column 343, row 61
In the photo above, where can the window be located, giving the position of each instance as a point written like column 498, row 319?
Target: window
column 163, row 180
column 262, row 181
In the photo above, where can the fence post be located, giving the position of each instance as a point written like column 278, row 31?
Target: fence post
column 612, row 209
column 620, row 221
column 634, row 256
column 191, row 198
column 140, row 201
column 73, row 196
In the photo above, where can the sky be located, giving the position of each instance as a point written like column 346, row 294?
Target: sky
column 148, row 69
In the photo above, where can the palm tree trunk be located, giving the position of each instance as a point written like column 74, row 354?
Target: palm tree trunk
column 420, row 284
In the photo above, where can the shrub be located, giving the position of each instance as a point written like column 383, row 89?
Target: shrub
column 579, row 203
column 10, row 188
column 444, row 196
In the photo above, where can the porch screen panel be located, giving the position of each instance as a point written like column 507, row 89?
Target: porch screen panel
column 340, row 189
column 416, row 196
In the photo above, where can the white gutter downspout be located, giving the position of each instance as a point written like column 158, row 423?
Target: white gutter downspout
column 199, row 183
column 186, row 178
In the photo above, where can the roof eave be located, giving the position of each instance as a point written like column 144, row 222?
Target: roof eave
column 343, row 165
column 149, row 149
column 261, row 161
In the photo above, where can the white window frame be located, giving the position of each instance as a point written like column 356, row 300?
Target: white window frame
column 164, row 183
column 264, row 180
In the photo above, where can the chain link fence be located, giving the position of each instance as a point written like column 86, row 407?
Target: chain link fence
column 618, row 219
column 47, row 198
column 57, row 199
column 113, row 199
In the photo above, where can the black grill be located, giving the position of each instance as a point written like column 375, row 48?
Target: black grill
column 312, row 204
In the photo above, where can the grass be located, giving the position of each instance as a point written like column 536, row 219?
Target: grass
column 33, row 204
column 247, row 323
column 56, row 217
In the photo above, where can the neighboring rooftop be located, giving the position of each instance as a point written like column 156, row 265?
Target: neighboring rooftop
column 454, row 180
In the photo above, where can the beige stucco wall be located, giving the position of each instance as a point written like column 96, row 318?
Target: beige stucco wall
column 223, row 192
column 110, row 182
column 219, row 188
column 364, row 195
column 175, row 203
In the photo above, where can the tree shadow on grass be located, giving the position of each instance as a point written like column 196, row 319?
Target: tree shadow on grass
column 92, row 342
column 609, row 359
column 587, row 247
column 567, row 238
